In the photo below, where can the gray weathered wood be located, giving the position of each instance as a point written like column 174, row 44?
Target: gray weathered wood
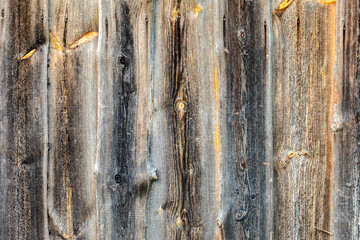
column 23, row 119
column 174, row 119
column 72, row 116
column 303, row 81
column 345, row 123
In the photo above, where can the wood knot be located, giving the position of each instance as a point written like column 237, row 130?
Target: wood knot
column 174, row 14
column 291, row 155
column 336, row 124
column 197, row 9
column 180, row 105
column 179, row 222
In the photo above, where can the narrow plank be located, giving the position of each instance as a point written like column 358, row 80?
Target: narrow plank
column 303, row 80
column 247, row 168
column 182, row 129
column 72, row 119
column 345, row 123
column 123, row 173
column 23, row 124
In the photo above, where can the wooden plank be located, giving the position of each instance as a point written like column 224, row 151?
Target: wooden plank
column 303, row 81
column 123, row 174
column 72, row 119
column 185, row 96
column 23, row 124
column 345, row 123
column 247, row 168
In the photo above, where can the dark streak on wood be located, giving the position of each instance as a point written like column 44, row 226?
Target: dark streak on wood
column 246, row 122
column 183, row 205
column 124, row 100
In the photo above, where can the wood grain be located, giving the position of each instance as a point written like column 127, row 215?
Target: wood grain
column 303, row 81
column 345, row 124
column 72, row 98
column 23, row 120
column 248, row 167
column 174, row 119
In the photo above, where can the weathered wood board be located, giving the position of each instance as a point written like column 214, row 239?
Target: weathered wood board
column 170, row 119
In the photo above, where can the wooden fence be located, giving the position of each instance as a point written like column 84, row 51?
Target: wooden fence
column 170, row 119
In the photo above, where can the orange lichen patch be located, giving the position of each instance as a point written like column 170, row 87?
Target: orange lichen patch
column 54, row 40
column 174, row 14
column 327, row 1
column 83, row 39
column 197, row 9
column 291, row 155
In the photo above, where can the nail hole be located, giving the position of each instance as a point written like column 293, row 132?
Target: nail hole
column 243, row 165
column 123, row 60
column 2, row 13
column 146, row 20
column 66, row 20
column 117, row 178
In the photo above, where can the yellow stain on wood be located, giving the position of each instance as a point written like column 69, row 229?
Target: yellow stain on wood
column 26, row 56
column 69, row 197
column 83, row 39
column 54, row 40
column 284, row 5
column 18, row 158
column 179, row 222
column 291, row 155
column 327, row 1
column 160, row 210
column 64, row 235
column 197, row 9
column 181, row 105
column 174, row 14
column 216, row 86
column 217, row 137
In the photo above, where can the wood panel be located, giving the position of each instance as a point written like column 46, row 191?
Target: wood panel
column 23, row 119
column 303, row 82
column 345, row 123
column 174, row 119
column 72, row 98
column 247, row 166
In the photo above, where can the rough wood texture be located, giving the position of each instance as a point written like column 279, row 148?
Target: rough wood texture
column 303, row 81
column 345, row 123
column 72, row 116
column 174, row 119
column 247, row 169
column 23, row 119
